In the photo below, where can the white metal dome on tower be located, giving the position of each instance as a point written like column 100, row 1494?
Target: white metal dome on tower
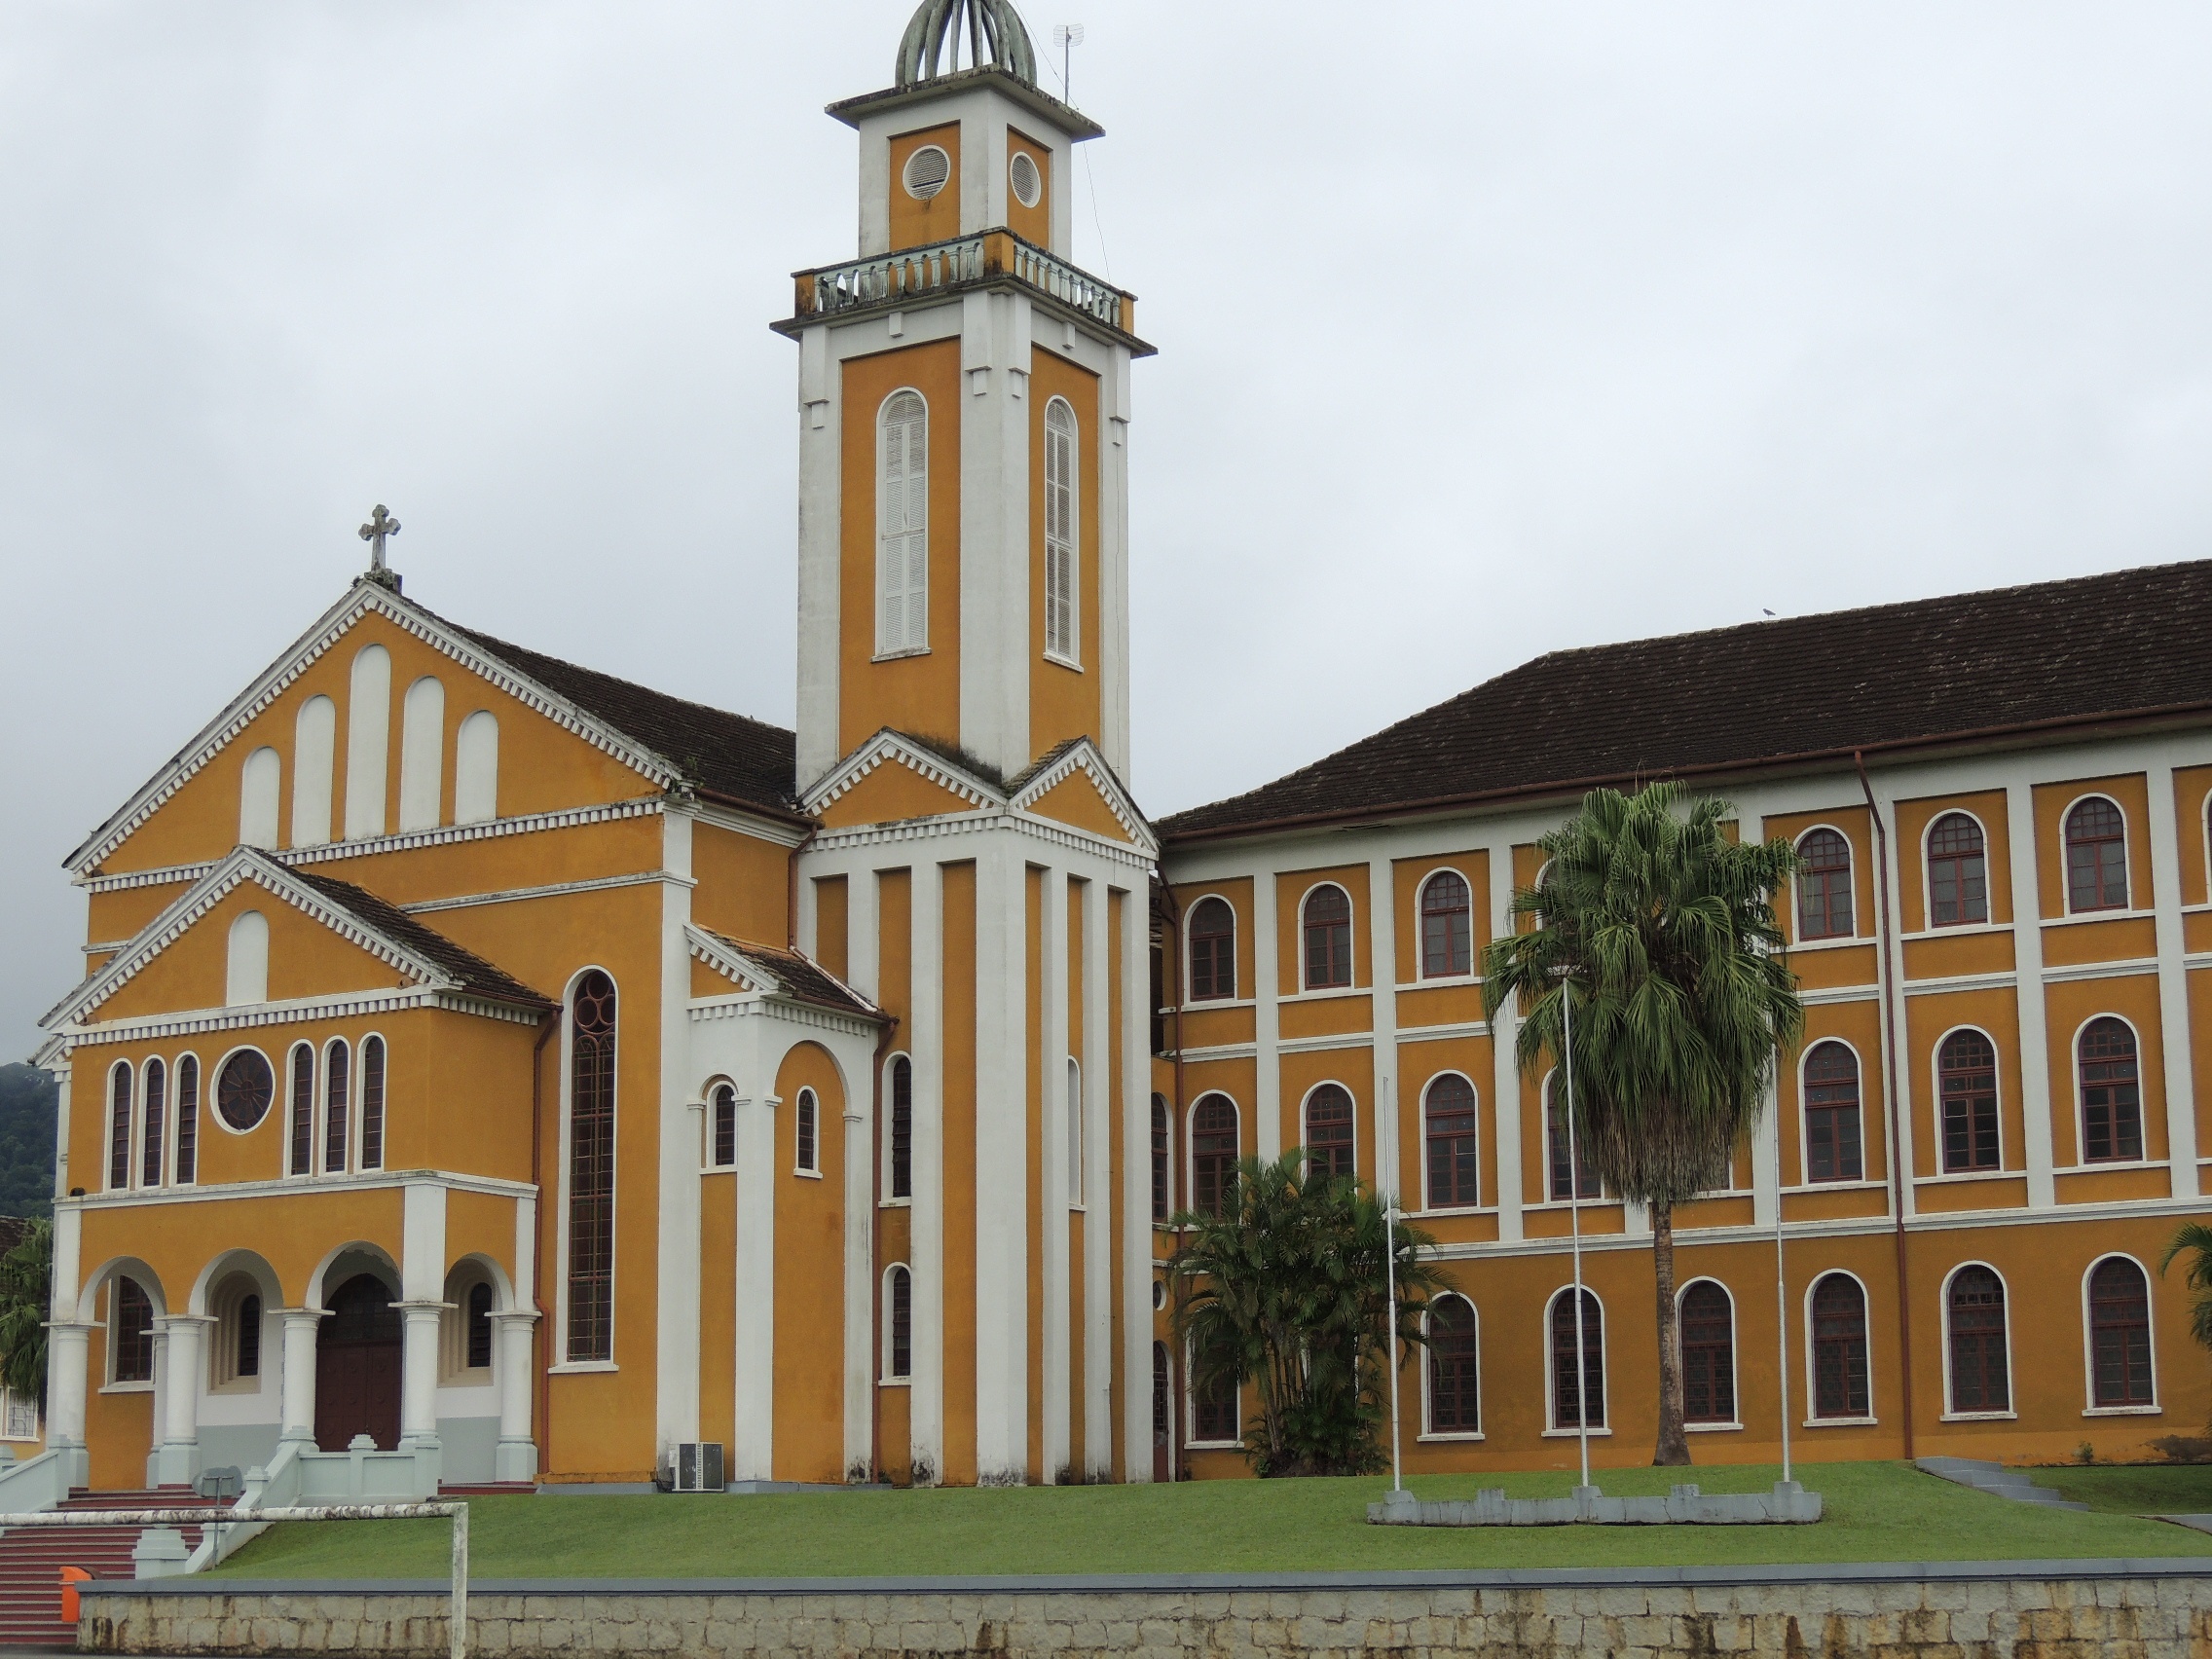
column 996, row 40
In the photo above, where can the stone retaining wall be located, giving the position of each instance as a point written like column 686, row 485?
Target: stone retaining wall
column 2092, row 1610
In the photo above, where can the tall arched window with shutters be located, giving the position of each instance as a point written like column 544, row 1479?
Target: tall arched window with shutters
column 1447, row 939
column 591, row 1170
column 119, row 1104
column 1063, row 613
column 1213, row 950
column 1328, row 937
column 903, row 525
column 901, row 1127
column 372, row 1103
column 2096, row 857
column 153, row 1125
column 1824, row 909
column 1958, row 872
column 301, row 1142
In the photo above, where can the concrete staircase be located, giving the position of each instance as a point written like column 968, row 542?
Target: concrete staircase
column 32, row 1560
column 1994, row 1479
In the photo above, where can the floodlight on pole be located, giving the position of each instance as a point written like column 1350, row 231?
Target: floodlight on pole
column 1067, row 37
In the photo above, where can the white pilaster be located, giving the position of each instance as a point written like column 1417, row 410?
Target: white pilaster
column 2035, row 1041
column 1053, row 1217
column 752, row 1447
column 1265, row 1135
column 68, row 1353
column 300, row 1327
column 516, row 1456
column 821, row 531
column 2174, row 1037
column 1112, row 587
column 1505, row 1070
column 925, row 1050
column 1388, row 1173
column 160, row 1347
column 1002, row 1165
column 675, row 1271
column 994, row 528
column 863, row 934
column 1133, row 1219
column 1098, row 1107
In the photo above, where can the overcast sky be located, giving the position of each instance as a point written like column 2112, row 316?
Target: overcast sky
column 1483, row 329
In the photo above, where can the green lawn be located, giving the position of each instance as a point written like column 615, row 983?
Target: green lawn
column 1876, row 1512
column 2156, row 1489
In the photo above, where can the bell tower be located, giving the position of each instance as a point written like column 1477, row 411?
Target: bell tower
column 963, row 421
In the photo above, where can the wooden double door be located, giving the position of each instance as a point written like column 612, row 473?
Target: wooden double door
column 357, row 1367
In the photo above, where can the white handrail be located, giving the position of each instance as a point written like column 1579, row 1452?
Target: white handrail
column 213, row 1516
column 915, row 272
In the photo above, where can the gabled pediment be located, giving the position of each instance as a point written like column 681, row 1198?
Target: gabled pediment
column 892, row 777
column 1074, row 785
column 319, row 937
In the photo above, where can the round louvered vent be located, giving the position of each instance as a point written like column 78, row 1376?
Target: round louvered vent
column 1028, row 183
column 927, row 169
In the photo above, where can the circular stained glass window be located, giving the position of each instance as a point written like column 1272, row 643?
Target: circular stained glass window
column 245, row 1088
column 927, row 170
column 1028, row 183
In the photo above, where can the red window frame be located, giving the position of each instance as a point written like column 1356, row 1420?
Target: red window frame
column 1566, row 1396
column 1213, row 950
column 1834, row 1151
column 1966, row 1068
column 2120, row 1334
column 2110, row 1073
column 1329, row 1116
column 1446, row 926
column 1213, row 1152
column 1825, row 905
column 1958, row 872
column 1452, row 1132
column 2096, row 856
column 1454, row 1383
column 1326, row 917
column 1708, row 1329
column 1841, row 1385
column 1980, row 1367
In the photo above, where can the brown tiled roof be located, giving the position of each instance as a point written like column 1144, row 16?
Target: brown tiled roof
column 730, row 756
column 475, row 974
column 2130, row 644
column 802, row 978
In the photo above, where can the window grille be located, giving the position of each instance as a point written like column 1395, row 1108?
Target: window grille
column 591, row 1170
column 149, row 1146
column 1062, row 613
column 1329, row 1132
column 1455, row 1406
column 246, row 1360
column 1454, row 1150
column 1708, row 1354
column 2111, row 1093
column 118, row 1127
column 902, row 1323
column 1213, row 950
column 1568, row 1391
column 244, row 1090
column 133, row 1326
column 808, row 1125
column 1572, row 1175
column 1074, row 1132
column 372, row 1103
column 480, row 1326
column 1447, row 939
column 337, row 1129
column 725, row 1127
column 1958, row 874
column 1825, row 906
column 302, row 1109
column 1215, row 1413
column 1840, row 1385
column 187, row 1120
column 2096, row 857
column 1328, row 937
column 2120, row 1334
column 1213, row 1154
column 901, row 1127
column 902, row 576
column 1159, row 1170
column 1967, row 1067
column 1980, row 1379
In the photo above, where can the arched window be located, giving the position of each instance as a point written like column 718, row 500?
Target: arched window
column 234, row 1346
column 132, row 1333
column 247, row 968
column 476, row 769
column 1708, row 1354
column 1213, row 1153
column 372, row 1103
column 1840, row 1388
column 591, row 1169
column 1074, row 1132
column 368, row 742
column 1215, row 1410
column 261, row 785
column 1569, row 1391
column 1825, row 906
column 302, row 1143
column 903, row 521
column 1958, row 876
column 1328, row 937
column 1213, row 950
column 421, row 755
column 1062, row 539
column 337, row 1107
column 1831, row 1113
column 153, row 1128
column 119, row 1106
column 1162, row 1184
column 809, row 1128
column 479, row 1334
column 2112, row 1092
column 315, row 768
column 1454, row 1150
column 1981, row 1370
column 724, row 1128
column 246, row 1361
column 2120, row 1334
column 1446, row 926
column 899, row 1323
column 1966, row 1068
column 1572, row 1174
column 1454, row 1403
column 187, row 1120
column 1328, row 1131
column 2096, row 857
column 901, row 1127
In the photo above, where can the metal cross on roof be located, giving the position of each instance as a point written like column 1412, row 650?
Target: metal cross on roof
column 380, row 526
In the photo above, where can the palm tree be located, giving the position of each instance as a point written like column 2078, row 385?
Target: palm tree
column 1663, row 931
column 2195, row 1236
column 26, row 1276
column 1286, row 1287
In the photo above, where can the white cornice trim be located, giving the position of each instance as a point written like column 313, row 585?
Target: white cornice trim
column 789, row 1010
column 726, row 961
column 300, row 1186
column 768, row 992
column 1048, row 829
column 359, row 601
column 159, row 1027
column 781, row 831
column 553, row 890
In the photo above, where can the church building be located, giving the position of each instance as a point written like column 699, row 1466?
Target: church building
column 488, row 1072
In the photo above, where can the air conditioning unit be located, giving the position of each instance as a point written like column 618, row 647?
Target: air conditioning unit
column 696, row 1465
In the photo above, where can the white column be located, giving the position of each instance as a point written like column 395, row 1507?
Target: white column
column 676, row 1272
column 1054, row 1219
column 1098, row 1106
column 1264, row 1135
column 2035, row 1040
column 2174, row 1038
column 753, row 1448
column 859, row 1207
column 1388, row 1173
column 161, row 1346
column 1505, row 1070
column 1133, row 1234
column 992, row 418
column 821, row 444
column 300, row 1327
column 419, row 1371
column 61, row 1074
column 177, row 1458
column 1002, row 1165
column 516, row 1459
column 925, row 1217
column 68, row 1351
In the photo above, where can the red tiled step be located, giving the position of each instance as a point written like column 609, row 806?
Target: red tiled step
column 31, row 1560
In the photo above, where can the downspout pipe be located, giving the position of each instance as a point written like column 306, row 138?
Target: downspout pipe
column 1884, row 932
column 546, row 1026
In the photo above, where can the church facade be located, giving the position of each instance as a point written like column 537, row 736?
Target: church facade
column 488, row 1071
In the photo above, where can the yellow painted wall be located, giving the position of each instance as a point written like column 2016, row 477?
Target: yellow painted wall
column 913, row 222
column 959, row 952
column 742, row 885
column 1034, row 223
column 305, row 959
column 2053, row 801
column 1076, row 801
column 1291, row 890
column 810, row 1276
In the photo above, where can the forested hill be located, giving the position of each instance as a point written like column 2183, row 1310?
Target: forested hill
column 27, row 1100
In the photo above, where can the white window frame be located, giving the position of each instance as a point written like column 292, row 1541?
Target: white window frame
column 1422, row 975
column 1798, row 938
column 1074, row 1131
column 2082, row 1109
column 2012, row 1412
column 113, row 1385
column 315, row 1108
column 1351, row 923
column 1190, row 1406
column 226, row 1301
column 1805, row 1181
column 799, row 1102
column 1189, row 1139
column 1735, row 1372
column 144, row 1089
column 891, row 1200
column 1235, row 965
column 1552, row 1428
column 2126, row 854
column 352, row 1107
column 566, row 1366
column 1936, row 1108
column 1428, row 1429
column 359, row 1105
column 1813, row 1419
column 129, row 1128
column 1161, row 1103
column 886, row 1378
column 2090, row 1407
column 915, row 640
column 707, row 1164
column 1428, row 1206
column 200, row 1107
column 1928, row 921
column 1544, row 1152
column 454, row 1369
column 1067, row 652
column 211, row 1079
column 1306, row 1128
